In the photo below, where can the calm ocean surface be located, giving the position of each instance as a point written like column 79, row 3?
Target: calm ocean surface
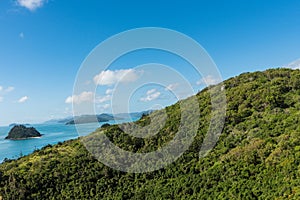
column 52, row 134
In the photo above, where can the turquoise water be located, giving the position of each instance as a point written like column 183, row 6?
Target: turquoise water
column 52, row 134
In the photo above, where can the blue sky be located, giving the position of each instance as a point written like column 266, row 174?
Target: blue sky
column 43, row 43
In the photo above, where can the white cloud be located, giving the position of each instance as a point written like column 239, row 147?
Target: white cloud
column 172, row 86
column 23, row 99
column 4, row 90
column 31, row 4
column 109, row 77
column 9, row 89
column 87, row 97
column 68, row 111
column 208, row 80
column 109, row 91
column 103, row 99
column 294, row 65
column 69, row 99
column 105, row 106
column 151, row 95
column 83, row 97
column 149, row 92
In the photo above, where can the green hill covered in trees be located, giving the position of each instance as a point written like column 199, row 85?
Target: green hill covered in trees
column 257, row 155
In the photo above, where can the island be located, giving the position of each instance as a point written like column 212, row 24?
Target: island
column 83, row 119
column 19, row 132
column 104, row 117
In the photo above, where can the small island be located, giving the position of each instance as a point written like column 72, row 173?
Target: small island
column 19, row 132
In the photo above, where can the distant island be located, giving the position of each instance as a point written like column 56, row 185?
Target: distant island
column 104, row 117
column 92, row 119
column 19, row 132
column 15, row 124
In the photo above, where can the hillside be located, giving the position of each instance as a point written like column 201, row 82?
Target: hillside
column 256, row 157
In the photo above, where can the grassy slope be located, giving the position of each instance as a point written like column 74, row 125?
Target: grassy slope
column 257, row 156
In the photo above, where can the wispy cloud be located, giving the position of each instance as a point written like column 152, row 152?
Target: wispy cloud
column 294, row 65
column 68, row 111
column 23, row 99
column 151, row 95
column 209, row 80
column 83, row 97
column 9, row 89
column 4, row 91
column 149, row 92
column 104, row 107
column 172, row 87
column 87, row 97
column 109, row 91
column 103, row 99
column 31, row 4
column 110, row 77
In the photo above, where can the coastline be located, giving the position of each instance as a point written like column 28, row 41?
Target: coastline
column 52, row 133
column 37, row 137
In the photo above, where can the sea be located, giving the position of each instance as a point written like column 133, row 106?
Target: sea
column 52, row 133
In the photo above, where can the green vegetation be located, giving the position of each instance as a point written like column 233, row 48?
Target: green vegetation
column 256, row 157
column 22, row 132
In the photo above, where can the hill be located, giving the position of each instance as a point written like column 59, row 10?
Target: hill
column 19, row 132
column 104, row 117
column 256, row 157
column 83, row 119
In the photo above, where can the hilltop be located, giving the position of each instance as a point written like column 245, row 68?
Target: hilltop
column 257, row 155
